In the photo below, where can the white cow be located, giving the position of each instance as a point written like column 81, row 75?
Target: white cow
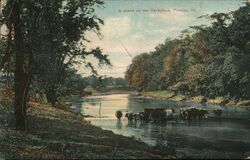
column 169, row 114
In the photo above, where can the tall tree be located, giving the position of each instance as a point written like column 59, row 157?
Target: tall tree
column 61, row 41
column 211, row 61
column 36, row 26
column 137, row 73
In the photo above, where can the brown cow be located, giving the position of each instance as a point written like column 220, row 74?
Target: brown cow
column 183, row 114
column 142, row 117
column 158, row 115
column 191, row 113
column 218, row 113
column 130, row 117
column 147, row 112
column 195, row 113
column 202, row 113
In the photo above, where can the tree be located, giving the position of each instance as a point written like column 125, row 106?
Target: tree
column 210, row 60
column 62, row 41
column 50, row 30
column 137, row 72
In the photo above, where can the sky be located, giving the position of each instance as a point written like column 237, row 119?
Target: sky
column 132, row 27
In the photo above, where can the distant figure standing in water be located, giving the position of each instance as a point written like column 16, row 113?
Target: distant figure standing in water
column 100, row 110
column 118, row 115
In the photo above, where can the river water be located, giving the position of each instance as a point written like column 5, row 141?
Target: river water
column 209, row 138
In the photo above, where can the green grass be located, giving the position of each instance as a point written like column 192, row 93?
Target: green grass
column 243, row 103
column 168, row 95
column 218, row 101
column 55, row 133
column 159, row 94
column 164, row 95
column 178, row 98
column 197, row 99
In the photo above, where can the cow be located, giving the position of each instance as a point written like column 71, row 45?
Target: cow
column 218, row 113
column 169, row 114
column 191, row 113
column 158, row 115
column 194, row 113
column 147, row 113
column 136, row 117
column 183, row 114
column 142, row 117
column 130, row 116
column 201, row 113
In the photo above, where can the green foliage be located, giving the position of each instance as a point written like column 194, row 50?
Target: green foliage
column 60, row 42
column 210, row 61
column 137, row 73
column 54, row 38
column 44, row 40
column 102, row 83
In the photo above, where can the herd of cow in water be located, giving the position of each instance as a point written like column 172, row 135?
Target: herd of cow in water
column 161, row 115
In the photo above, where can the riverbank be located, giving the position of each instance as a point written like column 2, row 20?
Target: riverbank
column 115, row 90
column 168, row 95
column 56, row 133
column 209, row 138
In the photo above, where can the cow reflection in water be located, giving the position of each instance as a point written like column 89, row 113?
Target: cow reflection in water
column 162, row 115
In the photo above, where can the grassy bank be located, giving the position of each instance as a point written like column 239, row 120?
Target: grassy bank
column 168, row 95
column 58, row 134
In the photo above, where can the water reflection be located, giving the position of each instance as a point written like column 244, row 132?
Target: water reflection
column 209, row 138
column 118, row 124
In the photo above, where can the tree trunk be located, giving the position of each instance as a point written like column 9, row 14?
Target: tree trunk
column 21, row 81
column 51, row 96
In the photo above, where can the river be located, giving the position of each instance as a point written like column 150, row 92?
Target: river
column 209, row 138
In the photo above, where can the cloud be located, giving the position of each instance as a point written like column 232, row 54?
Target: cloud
column 175, row 30
column 120, row 62
column 116, row 27
column 112, row 43
column 139, row 43
column 119, row 40
column 171, row 15
column 113, row 30
column 140, row 33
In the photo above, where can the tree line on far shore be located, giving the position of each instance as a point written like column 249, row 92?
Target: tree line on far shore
column 209, row 60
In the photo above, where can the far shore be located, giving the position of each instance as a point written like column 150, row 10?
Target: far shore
column 169, row 95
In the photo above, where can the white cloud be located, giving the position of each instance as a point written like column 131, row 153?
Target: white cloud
column 116, row 27
column 168, row 30
column 138, row 43
column 119, row 38
column 120, row 62
column 171, row 15
column 135, row 43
